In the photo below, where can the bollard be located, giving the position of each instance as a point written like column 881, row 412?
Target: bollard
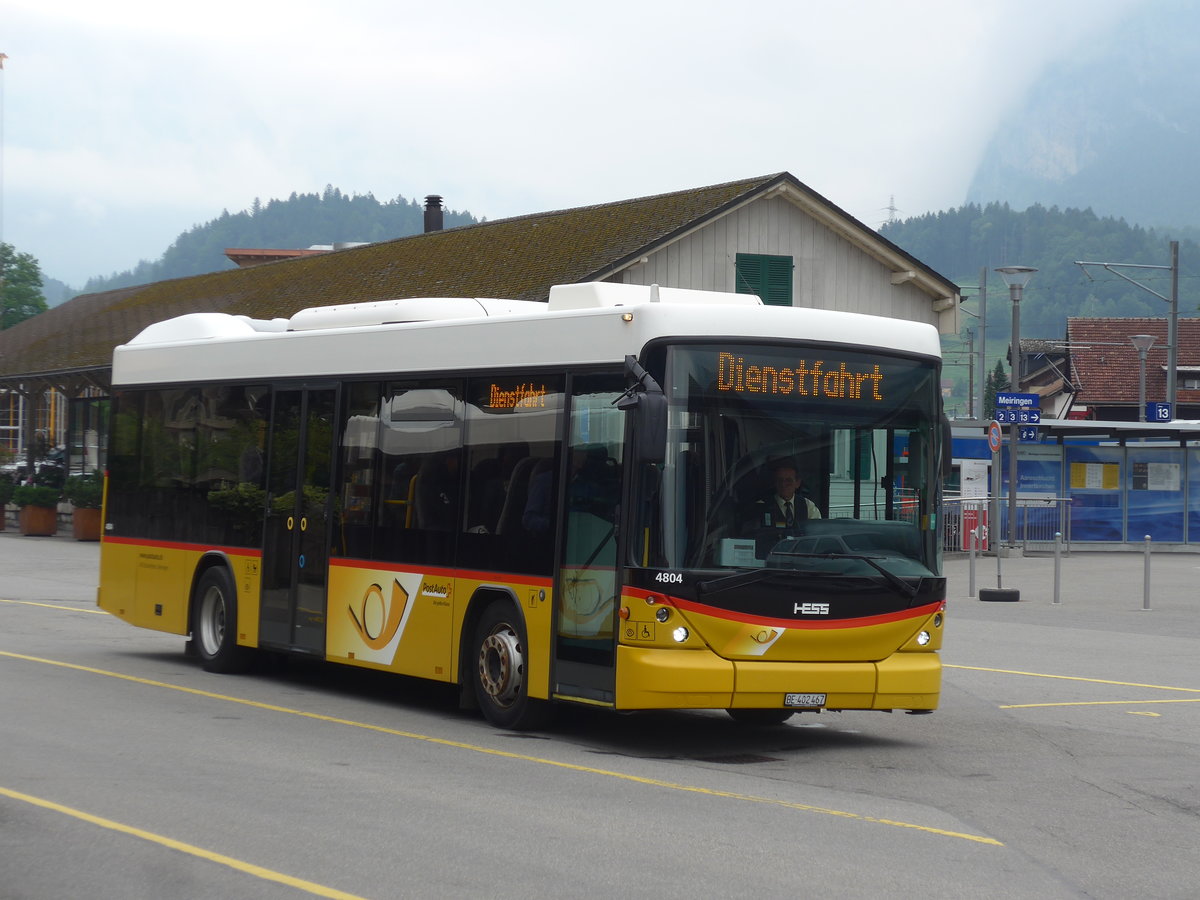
column 1146, row 585
column 971, row 568
column 1057, row 565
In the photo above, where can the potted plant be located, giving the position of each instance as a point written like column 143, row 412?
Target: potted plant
column 85, row 493
column 6, row 492
column 39, row 509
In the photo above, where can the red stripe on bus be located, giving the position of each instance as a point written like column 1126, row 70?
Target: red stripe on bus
column 180, row 545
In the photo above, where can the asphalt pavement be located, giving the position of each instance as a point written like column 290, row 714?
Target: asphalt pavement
column 1105, row 590
column 48, row 568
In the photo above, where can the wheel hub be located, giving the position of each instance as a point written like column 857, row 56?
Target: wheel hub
column 212, row 621
column 501, row 666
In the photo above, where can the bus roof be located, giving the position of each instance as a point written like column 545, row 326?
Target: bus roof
column 589, row 323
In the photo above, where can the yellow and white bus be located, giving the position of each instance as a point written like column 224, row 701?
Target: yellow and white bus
column 560, row 502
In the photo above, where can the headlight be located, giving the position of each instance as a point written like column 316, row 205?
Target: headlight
column 680, row 634
column 923, row 638
column 662, row 613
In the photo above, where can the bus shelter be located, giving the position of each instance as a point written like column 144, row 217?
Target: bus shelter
column 1103, row 483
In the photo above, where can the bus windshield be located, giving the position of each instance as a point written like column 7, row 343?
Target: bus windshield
column 796, row 456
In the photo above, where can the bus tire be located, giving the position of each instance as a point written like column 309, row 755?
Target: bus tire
column 499, row 670
column 214, row 623
column 760, row 718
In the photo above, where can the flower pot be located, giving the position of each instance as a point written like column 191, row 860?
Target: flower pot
column 85, row 524
column 38, row 521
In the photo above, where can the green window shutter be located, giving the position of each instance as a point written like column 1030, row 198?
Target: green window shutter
column 770, row 277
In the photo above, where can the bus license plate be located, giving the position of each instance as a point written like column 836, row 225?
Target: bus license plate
column 804, row 701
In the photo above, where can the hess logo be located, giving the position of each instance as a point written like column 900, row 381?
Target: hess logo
column 811, row 609
column 377, row 619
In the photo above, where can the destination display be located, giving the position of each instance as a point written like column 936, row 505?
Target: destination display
column 522, row 396
column 804, row 378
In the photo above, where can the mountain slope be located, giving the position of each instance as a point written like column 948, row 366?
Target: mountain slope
column 298, row 222
column 1116, row 130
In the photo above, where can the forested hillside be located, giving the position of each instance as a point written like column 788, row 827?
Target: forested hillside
column 298, row 222
column 961, row 242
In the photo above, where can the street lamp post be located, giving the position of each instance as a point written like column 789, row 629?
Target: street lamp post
column 1016, row 277
column 1142, row 343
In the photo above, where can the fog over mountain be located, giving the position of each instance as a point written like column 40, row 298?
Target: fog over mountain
column 1117, row 129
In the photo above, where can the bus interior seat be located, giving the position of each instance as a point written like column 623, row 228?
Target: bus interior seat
column 518, row 495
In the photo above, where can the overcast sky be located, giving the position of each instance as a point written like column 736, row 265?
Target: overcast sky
column 126, row 123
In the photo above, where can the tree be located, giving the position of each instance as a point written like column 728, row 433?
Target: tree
column 300, row 221
column 997, row 381
column 20, row 287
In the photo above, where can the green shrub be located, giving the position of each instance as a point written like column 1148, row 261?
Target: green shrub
column 35, row 495
column 85, row 491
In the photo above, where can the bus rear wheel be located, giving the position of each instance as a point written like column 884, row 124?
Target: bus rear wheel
column 214, row 623
column 760, row 718
column 501, row 670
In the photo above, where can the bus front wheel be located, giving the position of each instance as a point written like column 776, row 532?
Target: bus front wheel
column 214, row 623
column 501, row 670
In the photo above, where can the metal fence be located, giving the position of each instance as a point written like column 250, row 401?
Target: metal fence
column 905, row 506
column 1038, row 520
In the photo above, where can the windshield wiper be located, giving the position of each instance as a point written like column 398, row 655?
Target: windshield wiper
column 737, row 579
column 893, row 579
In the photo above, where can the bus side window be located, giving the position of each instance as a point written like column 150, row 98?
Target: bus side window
column 511, row 434
column 359, row 471
column 420, row 447
column 231, row 468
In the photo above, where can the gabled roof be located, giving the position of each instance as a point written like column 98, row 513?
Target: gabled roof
column 1105, row 366
column 518, row 258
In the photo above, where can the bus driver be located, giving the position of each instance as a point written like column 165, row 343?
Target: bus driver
column 786, row 505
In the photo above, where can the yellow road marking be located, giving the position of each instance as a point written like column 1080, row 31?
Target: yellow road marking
column 1134, row 712
column 199, row 852
column 1099, row 703
column 59, row 606
column 1155, row 687
column 475, row 748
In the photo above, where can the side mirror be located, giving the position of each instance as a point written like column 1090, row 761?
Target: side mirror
column 650, row 427
column 645, row 401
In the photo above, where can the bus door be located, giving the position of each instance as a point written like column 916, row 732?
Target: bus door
column 296, row 540
column 585, row 644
